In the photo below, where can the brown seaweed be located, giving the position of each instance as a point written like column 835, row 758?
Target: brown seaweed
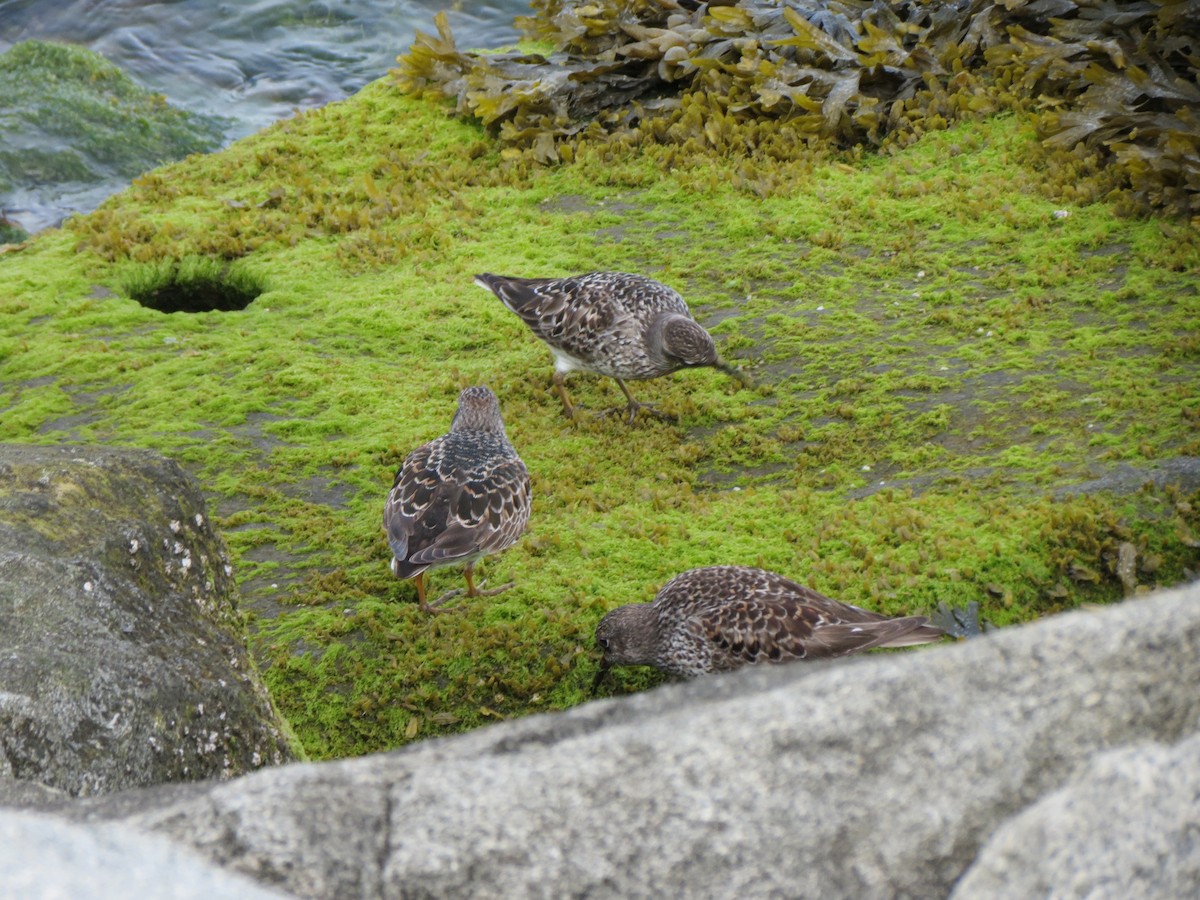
column 774, row 80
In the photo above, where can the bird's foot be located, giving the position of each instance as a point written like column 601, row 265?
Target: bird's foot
column 433, row 607
column 633, row 408
column 961, row 622
column 492, row 592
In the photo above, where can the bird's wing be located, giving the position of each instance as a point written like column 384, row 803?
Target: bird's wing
column 576, row 314
column 413, row 496
column 764, row 617
column 747, row 631
column 481, row 511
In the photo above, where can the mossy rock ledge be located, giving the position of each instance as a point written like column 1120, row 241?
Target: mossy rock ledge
column 73, row 123
column 969, row 388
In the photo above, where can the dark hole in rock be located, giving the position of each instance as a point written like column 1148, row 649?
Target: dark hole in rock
column 193, row 286
column 197, row 296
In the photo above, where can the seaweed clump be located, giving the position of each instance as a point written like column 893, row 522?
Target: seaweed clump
column 777, row 81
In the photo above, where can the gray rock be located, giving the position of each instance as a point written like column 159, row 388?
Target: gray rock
column 1122, row 478
column 47, row 859
column 1127, row 824
column 873, row 778
column 30, row 794
column 122, row 661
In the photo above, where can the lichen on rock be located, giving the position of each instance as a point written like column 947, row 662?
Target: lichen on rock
column 123, row 659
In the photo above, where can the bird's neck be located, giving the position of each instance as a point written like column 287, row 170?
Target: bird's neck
column 645, row 644
column 654, row 341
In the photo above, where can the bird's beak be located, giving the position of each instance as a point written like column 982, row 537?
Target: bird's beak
column 605, row 665
column 734, row 372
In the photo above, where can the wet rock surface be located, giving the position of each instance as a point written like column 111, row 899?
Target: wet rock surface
column 122, row 660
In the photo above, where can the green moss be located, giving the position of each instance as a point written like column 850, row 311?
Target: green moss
column 939, row 357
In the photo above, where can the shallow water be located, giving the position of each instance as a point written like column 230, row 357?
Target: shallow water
column 252, row 62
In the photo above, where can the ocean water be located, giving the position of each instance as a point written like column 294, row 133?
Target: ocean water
column 251, row 62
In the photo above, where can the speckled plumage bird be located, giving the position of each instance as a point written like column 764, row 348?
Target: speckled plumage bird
column 462, row 496
column 719, row 618
column 627, row 327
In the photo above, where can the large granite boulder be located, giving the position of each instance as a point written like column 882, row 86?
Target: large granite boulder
column 880, row 777
column 122, row 657
column 1127, row 824
column 47, row 859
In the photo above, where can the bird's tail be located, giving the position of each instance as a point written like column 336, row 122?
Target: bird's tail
column 855, row 637
column 906, row 631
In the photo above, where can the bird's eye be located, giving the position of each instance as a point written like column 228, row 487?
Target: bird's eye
column 603, row 642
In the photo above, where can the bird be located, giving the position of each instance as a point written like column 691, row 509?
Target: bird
column 719, row 618
column 628, row 327
column 458, row 498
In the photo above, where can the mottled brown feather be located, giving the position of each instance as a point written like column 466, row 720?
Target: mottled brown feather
column 719, row 618
column 609, row 323
column 462, row 496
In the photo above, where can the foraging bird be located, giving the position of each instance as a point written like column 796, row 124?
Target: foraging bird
column 719, row 618
column 627, row 327
column 462, row 496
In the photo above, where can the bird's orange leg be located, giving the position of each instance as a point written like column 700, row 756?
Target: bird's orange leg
column 431, row 606
column 473, row 591
column 560, row 385
column 634, row 405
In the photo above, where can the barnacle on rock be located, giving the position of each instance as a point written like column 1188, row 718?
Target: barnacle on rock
column 770, row 80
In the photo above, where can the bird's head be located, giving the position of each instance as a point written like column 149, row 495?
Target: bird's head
column 685, row 343
column 478, row 410
column 628, row 636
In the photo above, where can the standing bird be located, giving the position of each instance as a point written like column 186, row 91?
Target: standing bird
column 458, row 498
column 719, row 618
column 627, row 327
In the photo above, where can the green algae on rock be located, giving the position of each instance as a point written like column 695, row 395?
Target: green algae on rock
column 11, row 232
column 774, row 80
column 71, row 117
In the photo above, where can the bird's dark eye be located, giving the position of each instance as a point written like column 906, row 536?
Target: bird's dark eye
column 603, row 642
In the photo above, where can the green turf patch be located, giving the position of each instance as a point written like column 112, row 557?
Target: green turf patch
column 965, row 391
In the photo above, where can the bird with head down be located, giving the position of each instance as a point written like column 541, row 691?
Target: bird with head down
column 628, row 327
column 720, row 618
